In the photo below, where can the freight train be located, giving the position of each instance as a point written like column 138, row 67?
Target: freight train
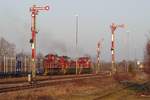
column 54, row 64
column 51, row 64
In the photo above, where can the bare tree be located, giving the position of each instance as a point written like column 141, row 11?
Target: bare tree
column 7, row 48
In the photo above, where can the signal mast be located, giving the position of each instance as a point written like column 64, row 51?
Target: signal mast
column 34, row 12
column 99, row 45
column 113, row 28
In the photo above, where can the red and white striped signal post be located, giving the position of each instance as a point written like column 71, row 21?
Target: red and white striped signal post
column 113, row 28
column 34, row 11
column 99, row 46
column 98, row 56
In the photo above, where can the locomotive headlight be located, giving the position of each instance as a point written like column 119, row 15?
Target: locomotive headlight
column 47, row 8
column 138, row 62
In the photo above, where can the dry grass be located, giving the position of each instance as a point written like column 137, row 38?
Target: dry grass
column 58, row 92
column 86, row 89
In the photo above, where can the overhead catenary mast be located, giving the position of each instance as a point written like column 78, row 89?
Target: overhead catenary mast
column 34, row 12
column 113, row 28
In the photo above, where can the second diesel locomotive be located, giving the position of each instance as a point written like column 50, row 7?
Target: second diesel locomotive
column 54, row 64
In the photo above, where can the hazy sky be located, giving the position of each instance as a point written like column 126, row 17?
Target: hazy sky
column 57, row 26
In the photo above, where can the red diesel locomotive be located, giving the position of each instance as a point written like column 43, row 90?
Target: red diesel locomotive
column 84, row 64
column 54, row 64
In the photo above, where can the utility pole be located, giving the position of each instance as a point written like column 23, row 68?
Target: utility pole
column 77, row 43
column 113, row 28
column 34, row 12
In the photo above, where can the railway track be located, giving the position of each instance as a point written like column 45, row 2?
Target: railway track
column 50, row 82
column 138, row 88
column 39, row 78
